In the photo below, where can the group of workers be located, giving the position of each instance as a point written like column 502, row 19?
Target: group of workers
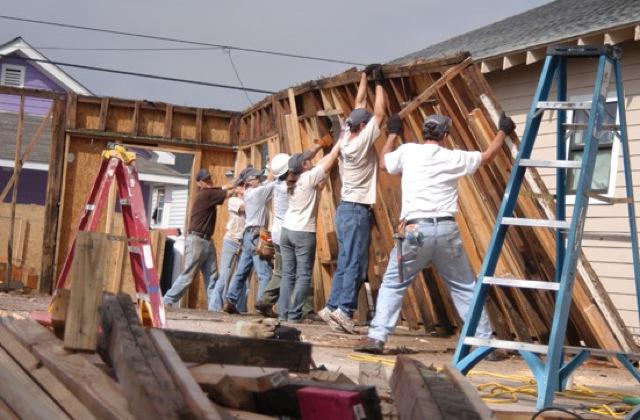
column 429, row 171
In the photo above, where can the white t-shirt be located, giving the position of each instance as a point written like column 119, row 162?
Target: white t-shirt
column 303, row 203
column 430, row 178
column 235, row 222
column 358, row 164
column 280, row 202
column 255, row 204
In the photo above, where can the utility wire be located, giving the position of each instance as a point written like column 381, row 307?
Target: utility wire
column 148, row 76
column 182, row 41
column 235, row 70
column 127, row 49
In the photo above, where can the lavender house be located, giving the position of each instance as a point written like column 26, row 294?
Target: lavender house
column 164, row 177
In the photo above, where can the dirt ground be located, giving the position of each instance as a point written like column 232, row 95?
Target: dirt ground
column 334, row 350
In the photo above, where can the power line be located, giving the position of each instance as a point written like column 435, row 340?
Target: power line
column 127, row 49
column 182, row 41
column 235, row 70
column 148, row 76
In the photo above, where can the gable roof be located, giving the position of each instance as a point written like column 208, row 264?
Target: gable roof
column 22, row 48
column 557, row 21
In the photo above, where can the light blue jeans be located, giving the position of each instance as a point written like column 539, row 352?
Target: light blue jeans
column 248, row 260
column 353, row 229
column 298, row 255
column 200, row 254
column 437, row 242
column 228, row 262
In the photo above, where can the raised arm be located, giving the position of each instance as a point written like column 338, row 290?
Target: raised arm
column 328, row 160
column 310, row 154
column 361, row 96
column 506, row 126
column 394, row 127
column 381, row 97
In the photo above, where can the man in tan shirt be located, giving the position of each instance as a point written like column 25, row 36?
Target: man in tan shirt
column 358, row 170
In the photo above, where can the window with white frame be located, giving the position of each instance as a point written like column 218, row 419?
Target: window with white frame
column 604, row 174
column 158, row 206
column 12, row 75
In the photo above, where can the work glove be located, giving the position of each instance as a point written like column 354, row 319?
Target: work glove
column 369, row 69
column 260, row 328
column 394, row 124
column 325, row 141
column 506, row 124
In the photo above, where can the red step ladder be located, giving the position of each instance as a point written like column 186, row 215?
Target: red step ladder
column 120, row 164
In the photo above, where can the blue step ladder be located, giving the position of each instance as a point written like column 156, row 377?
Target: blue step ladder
column 552, row 372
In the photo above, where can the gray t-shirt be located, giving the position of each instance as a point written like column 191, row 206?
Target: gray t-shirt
column 358, row 164
column 255, row 204
column 303, row 203
column 280, row 204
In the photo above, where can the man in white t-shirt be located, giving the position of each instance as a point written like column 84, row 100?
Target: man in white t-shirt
column 358, row 170
column 430, row 174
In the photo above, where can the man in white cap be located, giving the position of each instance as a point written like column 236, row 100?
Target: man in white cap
column 358, row 166
column 200, row 252
column 430, row 173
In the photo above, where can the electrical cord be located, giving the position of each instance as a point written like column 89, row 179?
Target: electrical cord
column 564, row 410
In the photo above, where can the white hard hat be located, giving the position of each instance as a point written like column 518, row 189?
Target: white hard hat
column 280, row 164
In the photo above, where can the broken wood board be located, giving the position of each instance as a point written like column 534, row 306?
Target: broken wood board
column 196, row 347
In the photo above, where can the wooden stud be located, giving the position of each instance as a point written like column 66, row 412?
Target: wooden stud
column 87, row 272
column 168, row 121
column 102, row 118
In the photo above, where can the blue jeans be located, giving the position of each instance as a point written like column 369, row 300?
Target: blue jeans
column 298, row 255
column 437, row 242
column 248, row 260
column 353, row 229
column 228, row 262
column 200, row 254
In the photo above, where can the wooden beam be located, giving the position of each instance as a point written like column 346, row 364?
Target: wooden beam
column 636, row 33
column 168, row 121
column 31, row 93
column 188, row 145
column 198, row 347
column 137, row 364
column 87, row 274
column 97, row 391
column 198, row 138
column 197, row 401
column 102, row 118
column 17, row 165
column 533, row 56
column 135, row 118
column 72, row 110
column 489, row 65
column 513, row 60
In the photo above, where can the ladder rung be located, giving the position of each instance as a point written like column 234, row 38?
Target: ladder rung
column 521, row 283
column 564, row 105
column 583, row 126
column 554, row 224
column 535, row 163
column 505, row 344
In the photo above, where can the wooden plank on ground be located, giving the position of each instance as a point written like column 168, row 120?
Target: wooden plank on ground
column 421, row 392
column 49, row 383
column 197, row 401
column 97, row 391
column 87, row 271
column 16, row 385
column 251, row 378
column 199, row 347
column 138, row 366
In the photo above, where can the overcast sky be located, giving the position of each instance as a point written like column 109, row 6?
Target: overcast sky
column 360, row 31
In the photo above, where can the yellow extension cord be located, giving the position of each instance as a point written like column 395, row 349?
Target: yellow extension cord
column 610, row 401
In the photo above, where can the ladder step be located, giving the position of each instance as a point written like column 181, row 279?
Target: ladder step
column 505, row 344
column 583, row 126
column 554, row 224
column 521, row 283
column 564, row 105
column 535, row 163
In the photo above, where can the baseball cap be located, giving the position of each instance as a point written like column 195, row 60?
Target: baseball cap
column 295, row 163
column 203, row 175
column 357, row 116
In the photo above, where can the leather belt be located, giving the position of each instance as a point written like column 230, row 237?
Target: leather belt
column 199, row 234
column 431, row 220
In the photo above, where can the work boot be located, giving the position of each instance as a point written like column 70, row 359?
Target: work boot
column 369, row 345
column 325, row 315
column 344, row 321
column 230, row 308
column 266, row 310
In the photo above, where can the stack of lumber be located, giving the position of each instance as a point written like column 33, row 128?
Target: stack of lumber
column 290, row 120
column 154, row 373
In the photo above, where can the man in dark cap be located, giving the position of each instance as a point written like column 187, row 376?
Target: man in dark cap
column 200, row 252
column 430, row 173
column 358, row 166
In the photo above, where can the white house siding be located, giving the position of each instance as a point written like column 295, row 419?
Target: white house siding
column 612, row 261
column 178, row 207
